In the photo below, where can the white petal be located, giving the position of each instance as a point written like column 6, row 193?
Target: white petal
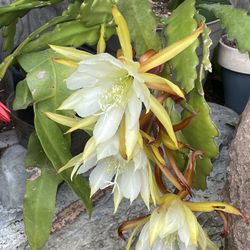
column 85, row 101
column 108, row 124
column 103, row 57
column 142, row 92
column 156, row 224
column 174, row 218
column 101, row 176
column 159, row 245
column 117, row 196
column 130, row 183
column 134, row 108
column 108, row 148
column 182, row 246
column 88, row 164
column 143, row 241
column 79, row 80
column 145, row 193
column 140, row 158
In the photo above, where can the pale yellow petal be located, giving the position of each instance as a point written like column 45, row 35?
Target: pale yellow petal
column 67, row 62
column 171, row 51
column 86, row 123
column 89, row 149
column 101, row 45
column 71, row 53
column 163, row 117
column 77, row 160
column 173, row 88
column 64, row 120
column 123, row 33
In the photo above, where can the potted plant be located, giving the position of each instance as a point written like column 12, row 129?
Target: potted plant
column 233, row 54
column 130, row 105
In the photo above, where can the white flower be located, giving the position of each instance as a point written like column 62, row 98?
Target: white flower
column 173, row 227
column 108, row 88
column 128, row 178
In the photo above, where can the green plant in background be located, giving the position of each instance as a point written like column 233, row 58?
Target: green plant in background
column 91, row 22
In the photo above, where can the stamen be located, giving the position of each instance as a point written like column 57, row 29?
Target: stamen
column 116, row 96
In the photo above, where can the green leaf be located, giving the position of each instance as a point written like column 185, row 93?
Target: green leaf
column 235, row 21
column 72, row 33
column 9, row 35
column 57, row 148
column 202, row 170
column 96, row 12
column 40, row 195
column 142, row 24
column 35, row 155
column 200, row 134
column 23, row 97
column 181, row 24
column 55, row 144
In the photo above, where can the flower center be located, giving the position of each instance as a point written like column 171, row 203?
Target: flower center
column 117, row 165
column 116, row 96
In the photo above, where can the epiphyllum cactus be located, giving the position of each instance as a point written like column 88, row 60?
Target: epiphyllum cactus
column 109, row 94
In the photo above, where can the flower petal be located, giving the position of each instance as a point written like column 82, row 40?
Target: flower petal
column 156, row 224
column 88, row 164
column 117, row 195
column 104, row 151
column 130, row 183
column 108, row 124
column 71, row 53
column 173, row 88
column 123, row 33
column 140, row 159
column 171, row 51
column 84, row 101
column 163, row 117
column 101, row 176
column 80, row 80
column 142, row 93
column 145, row 192
column 131, row 135
column 134, row 108
column 143, row 241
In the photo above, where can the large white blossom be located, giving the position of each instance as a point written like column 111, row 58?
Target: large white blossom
column 129, row 178
column 109, row 88
column 173, row 227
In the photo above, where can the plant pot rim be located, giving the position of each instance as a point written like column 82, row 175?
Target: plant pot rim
column 232, row 59
column 217, row 20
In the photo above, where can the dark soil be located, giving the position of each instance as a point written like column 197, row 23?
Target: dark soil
column 213, row 89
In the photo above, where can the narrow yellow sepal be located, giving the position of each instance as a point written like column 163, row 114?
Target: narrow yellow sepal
column 86, row 123
column 167, row 141
column 171, row 51
column 101, row 45
column 89, row 148
column 77, row 160
column 123, row 33
column 66, row 62
column 153, row 187
column 122, row 138
column 213, row 206
column 64, row 120
column 172, row 88
column 71, row 53
column 163, row 117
